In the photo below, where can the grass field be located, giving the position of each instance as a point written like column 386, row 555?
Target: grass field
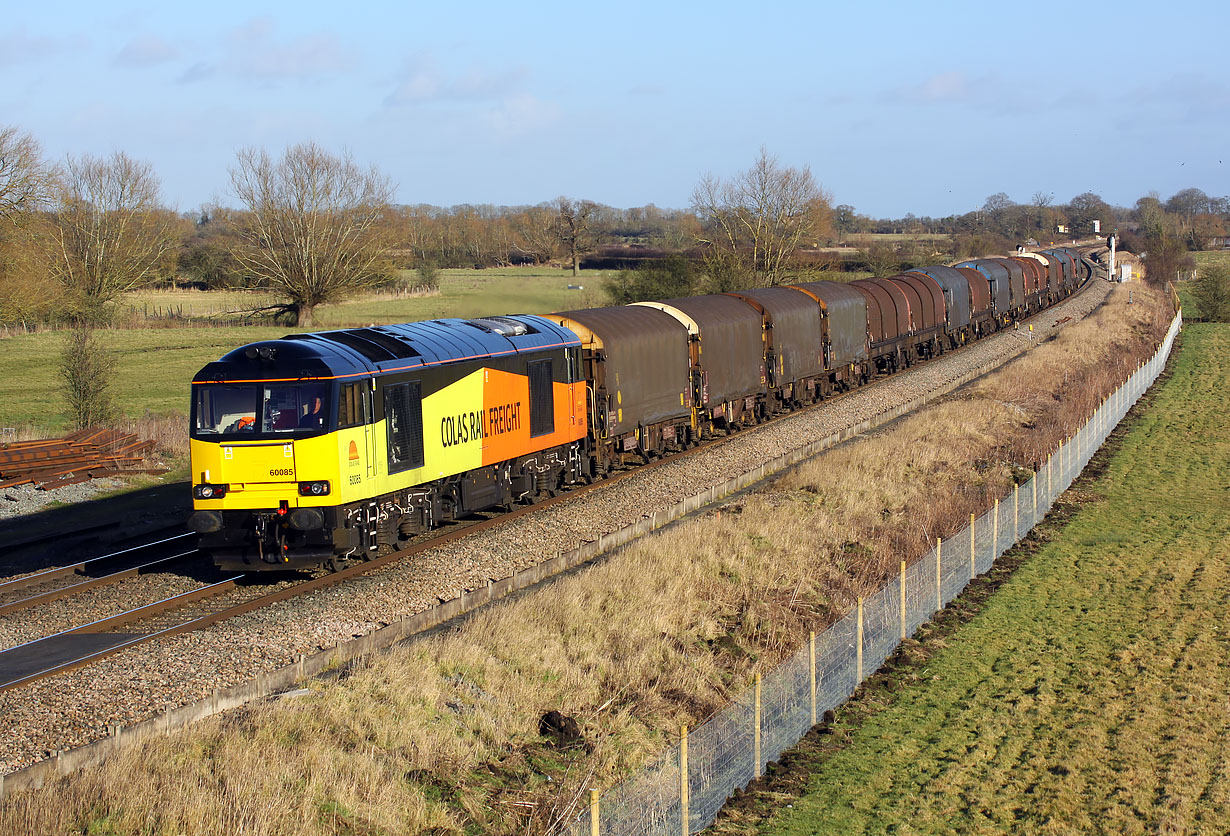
column 1089, row 695
column 462, row 293
column 154, row 366
column 1209, row 257
column 153, row 370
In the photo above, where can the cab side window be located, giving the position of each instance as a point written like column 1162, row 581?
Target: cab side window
column 403, row 412
column 542, row 398
column 351, row 405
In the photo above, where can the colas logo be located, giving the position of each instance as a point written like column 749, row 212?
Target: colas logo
column 354, row 454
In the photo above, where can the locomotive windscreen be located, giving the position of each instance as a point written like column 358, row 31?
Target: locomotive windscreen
column 259, row 410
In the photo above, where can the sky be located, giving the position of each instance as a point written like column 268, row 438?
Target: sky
column 896, row 107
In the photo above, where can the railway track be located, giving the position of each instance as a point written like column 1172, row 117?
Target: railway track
column 88, row 643
column 53, row 584
column 230, row 597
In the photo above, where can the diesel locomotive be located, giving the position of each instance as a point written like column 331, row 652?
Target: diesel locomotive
column 324, row 447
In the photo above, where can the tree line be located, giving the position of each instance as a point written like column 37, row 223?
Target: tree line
column 311, row 227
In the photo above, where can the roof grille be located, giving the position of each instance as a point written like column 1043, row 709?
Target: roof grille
column 372, row 344
column 505, row 326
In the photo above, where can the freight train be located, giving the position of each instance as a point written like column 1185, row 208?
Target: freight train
column 316, row 449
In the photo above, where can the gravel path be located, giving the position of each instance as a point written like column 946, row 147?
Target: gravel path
column 74, row 708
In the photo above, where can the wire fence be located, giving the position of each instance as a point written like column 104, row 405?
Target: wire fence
column 682, row 791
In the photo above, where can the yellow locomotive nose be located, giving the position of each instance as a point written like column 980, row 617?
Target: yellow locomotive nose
column 257, row 463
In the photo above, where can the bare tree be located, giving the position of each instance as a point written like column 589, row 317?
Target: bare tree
column 1041, row 202
column 313, row 229
column 1149, row 212
column 109, row 232
column 756, row 222
column 1084, row 209
column 997, row 202
column 573, row 218
column 25, row 180
column 534, row 232
column 1188, row 203
column 881, row 259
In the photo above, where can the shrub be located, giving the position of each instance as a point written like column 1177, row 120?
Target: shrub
column 669, row 278
column 85, row 367
column 1212, row 291
column 428, row 276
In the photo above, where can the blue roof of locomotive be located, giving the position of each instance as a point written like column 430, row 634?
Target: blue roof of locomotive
column 386, row 348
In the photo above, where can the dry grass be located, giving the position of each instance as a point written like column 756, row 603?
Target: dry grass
column 168, row 432
column 443, row 737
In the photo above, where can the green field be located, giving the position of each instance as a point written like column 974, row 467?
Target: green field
column 155, row 365
column 153, row 368
column 1209, row 257
column 462, row 293
column 1089, row 695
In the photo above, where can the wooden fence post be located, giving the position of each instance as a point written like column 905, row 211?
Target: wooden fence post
column 858, row 652
column 593, row 813
column 903, row 600
column 1016, row 513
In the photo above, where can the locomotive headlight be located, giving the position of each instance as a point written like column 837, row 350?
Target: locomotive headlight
column 306, row 519
column 314, row 488
column 209, row 491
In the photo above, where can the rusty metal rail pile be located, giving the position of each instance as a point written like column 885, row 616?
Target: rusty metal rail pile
column 54, row 462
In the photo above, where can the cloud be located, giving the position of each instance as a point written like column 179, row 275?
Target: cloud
column 1189, row 98
column 19, row 48
column 943, row 88
column 146, row 51
column 421, row 81
column 252, row 51
column 199, row 71
column 522, row 114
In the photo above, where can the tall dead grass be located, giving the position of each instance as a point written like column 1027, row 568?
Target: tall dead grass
column 168, row 432
column 443, row 736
